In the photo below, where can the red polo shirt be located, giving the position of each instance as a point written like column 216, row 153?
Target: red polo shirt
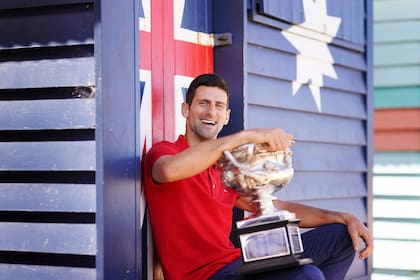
column 191, row 219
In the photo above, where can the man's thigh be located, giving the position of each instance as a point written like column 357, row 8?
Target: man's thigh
column 305, row 272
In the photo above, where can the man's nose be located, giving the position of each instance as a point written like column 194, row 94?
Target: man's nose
column 211, row 109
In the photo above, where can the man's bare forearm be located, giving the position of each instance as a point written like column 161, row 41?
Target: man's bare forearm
column 199, row 157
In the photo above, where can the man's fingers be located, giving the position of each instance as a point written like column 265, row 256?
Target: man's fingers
column 355, row 241
column 368, row 249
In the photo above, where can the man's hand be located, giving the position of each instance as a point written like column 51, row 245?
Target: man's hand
column 276, row 139
column 358, row 230
column 313, row 217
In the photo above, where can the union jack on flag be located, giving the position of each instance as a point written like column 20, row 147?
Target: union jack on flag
column 175, row 46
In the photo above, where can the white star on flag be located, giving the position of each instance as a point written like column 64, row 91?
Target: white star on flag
column 314, row 59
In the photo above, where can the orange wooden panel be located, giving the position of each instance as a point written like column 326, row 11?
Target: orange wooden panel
column 397, row 119
column 406, row 140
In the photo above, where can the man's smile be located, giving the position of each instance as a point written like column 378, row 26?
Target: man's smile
column 208, row 122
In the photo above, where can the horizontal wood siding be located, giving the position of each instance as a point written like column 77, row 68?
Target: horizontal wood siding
column 48, row 197
column 396, row 76
column 408, row 53
column 45, row 73
column 47, row 140
column 396, row 162
column 396, row 31
column 400, row 10
column 397, row 43
column 397, row 129
column 47, row 114
column 17, row 271
column 332, row 140
column 48, row 238
column 396, row 229
column 352, row 16
column 397, row 119
column 397, row 97
column 396, row 181
column 397, row 140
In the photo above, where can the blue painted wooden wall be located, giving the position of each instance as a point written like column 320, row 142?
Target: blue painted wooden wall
column 47, row 142
column 68, row 199
column 309, row 73
column 396, row 181
column 66, row 181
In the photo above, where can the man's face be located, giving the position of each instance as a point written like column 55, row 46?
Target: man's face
column 207, row 114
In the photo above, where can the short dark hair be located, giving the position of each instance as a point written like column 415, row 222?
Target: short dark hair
column 209, row 80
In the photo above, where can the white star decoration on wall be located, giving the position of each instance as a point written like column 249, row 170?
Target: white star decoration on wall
column 314, row 59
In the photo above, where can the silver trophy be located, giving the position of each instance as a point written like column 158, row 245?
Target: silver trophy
column 270, row 238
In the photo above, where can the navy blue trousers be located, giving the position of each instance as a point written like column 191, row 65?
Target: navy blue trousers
column 329, row 246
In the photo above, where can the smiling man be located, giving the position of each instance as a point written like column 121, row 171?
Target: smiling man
column 191, row 210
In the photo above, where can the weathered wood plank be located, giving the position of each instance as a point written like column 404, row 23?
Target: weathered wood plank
column 61, row 155
column 48, row 238
column 392, row 10
column 399, row 255
column 408, row 75
column 356, row 206
column 395, row 32
column 283, row 10
column 329, row 157
column 385, row 185
column 408, row 54
column 401, row 140
column 309, row 125
column 40, row 272
column 279, row 93
column 397, row 97
column 280, row 10
column 261, row 36
column 47, row 114
column 71, row 72
column 280, row 65
column 396, row 230
column 390, row 119
column 22, row 29
column 324, row 185
column 48, row 197
column 399, row 209
column 12, row 4
column 396, row 163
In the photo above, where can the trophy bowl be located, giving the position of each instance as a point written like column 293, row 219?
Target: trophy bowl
column 270, row 238
column 253, row 171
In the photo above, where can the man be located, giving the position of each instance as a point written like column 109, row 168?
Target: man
column 191, row 210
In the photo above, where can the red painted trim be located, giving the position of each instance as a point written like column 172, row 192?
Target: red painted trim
column 192, row 59
column 145, row 50
column 169, row 69
column 164, row 57
column 162, row 69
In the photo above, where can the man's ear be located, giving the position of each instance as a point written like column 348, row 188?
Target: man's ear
column 185, row 109
column 227, row 116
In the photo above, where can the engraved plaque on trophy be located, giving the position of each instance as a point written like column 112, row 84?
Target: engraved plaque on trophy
column 270, row 238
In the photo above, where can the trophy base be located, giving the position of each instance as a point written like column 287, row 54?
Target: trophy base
column 265, row 265
column 270, row 242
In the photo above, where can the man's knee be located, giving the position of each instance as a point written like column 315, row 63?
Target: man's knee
column 342, row 249
column 342, row 235
column 337, row 233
